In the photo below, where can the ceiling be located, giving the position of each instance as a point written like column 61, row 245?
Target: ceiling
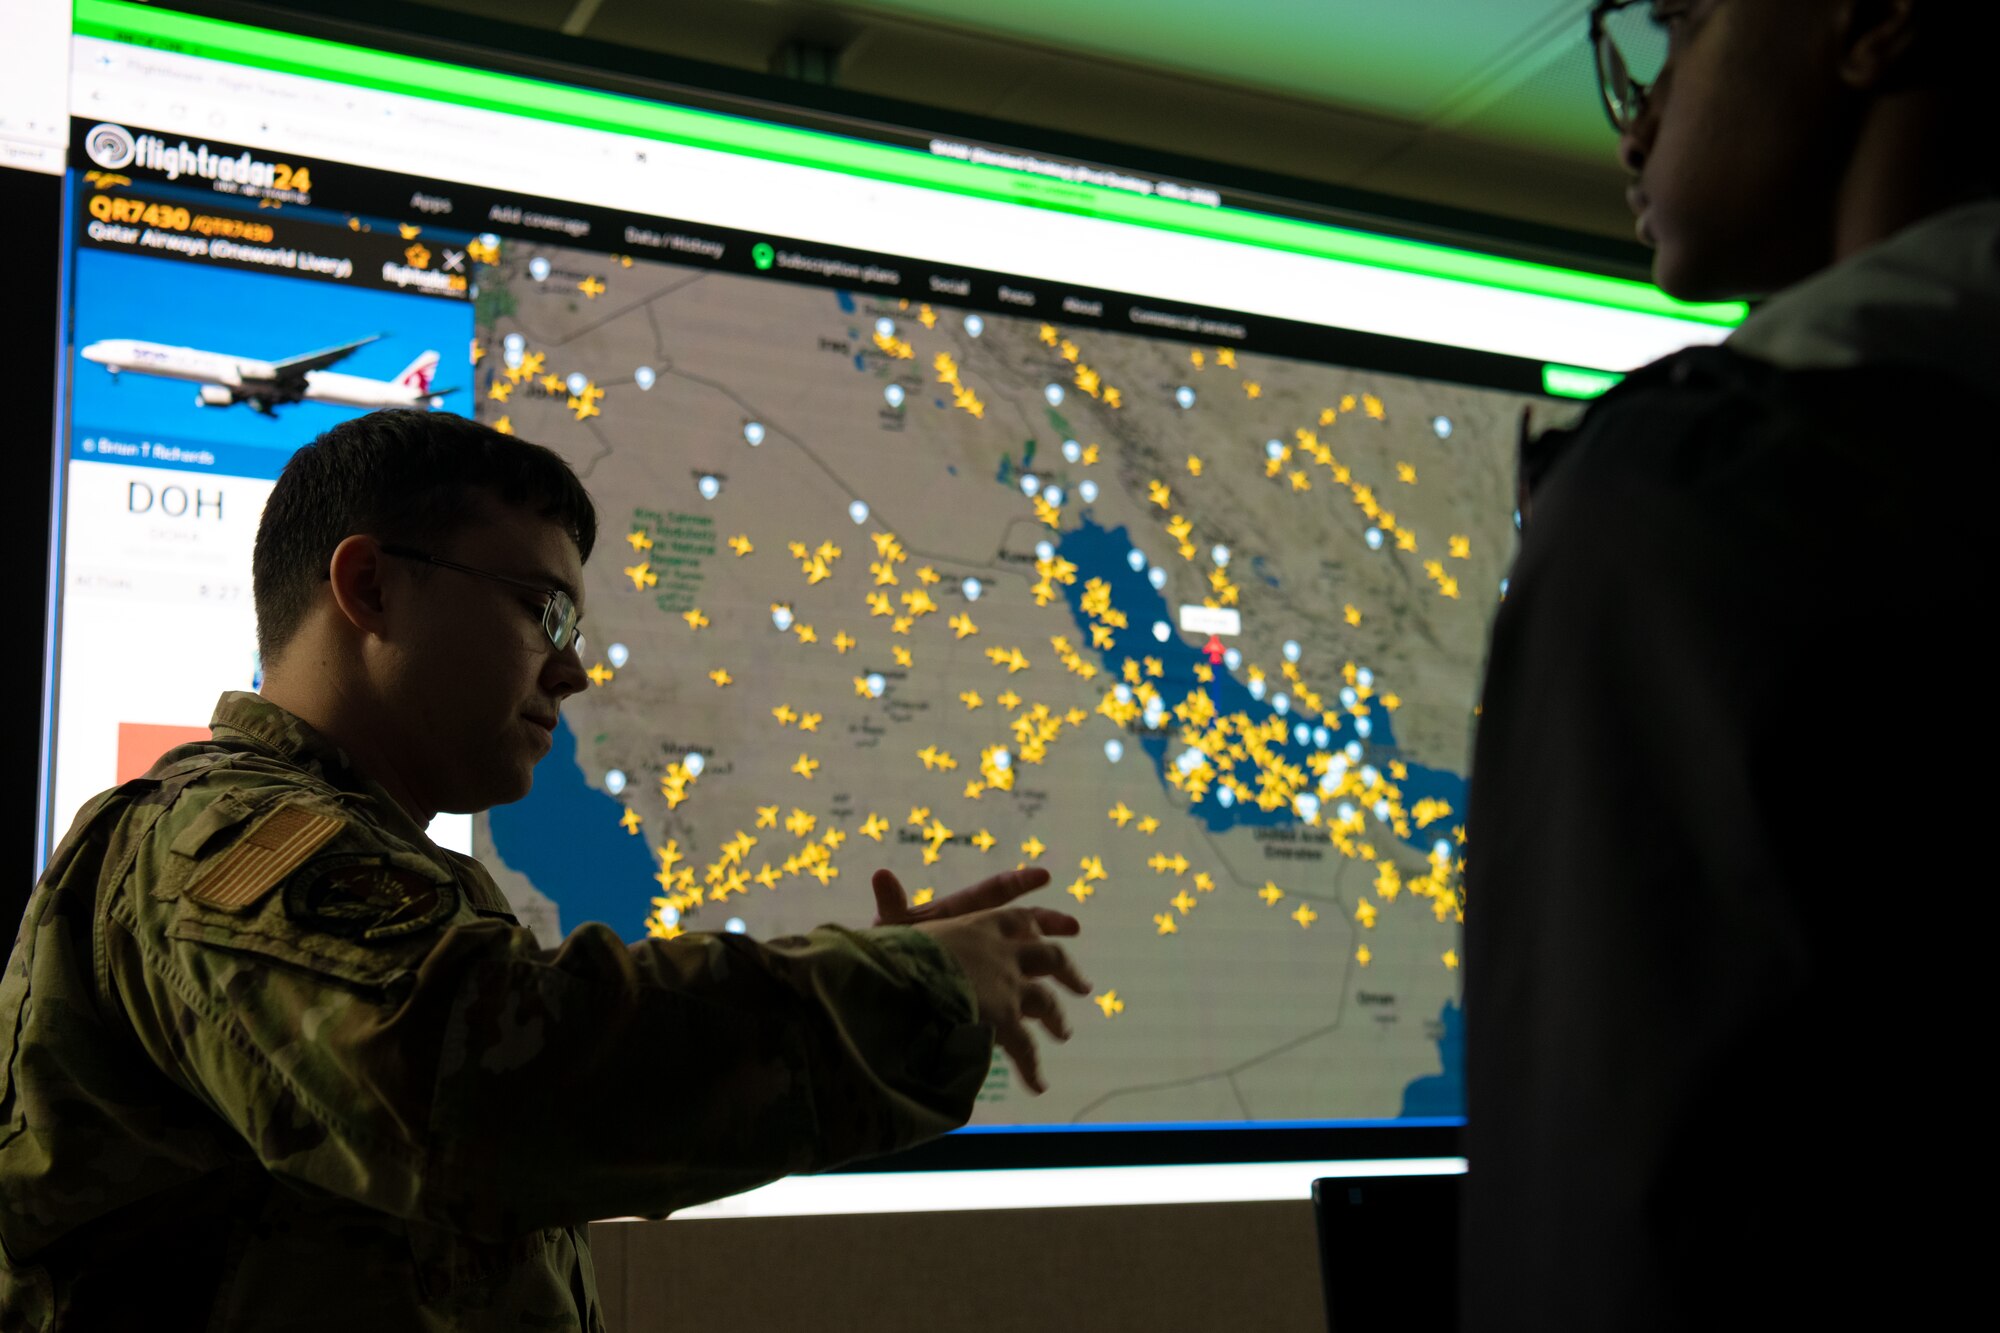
column 1489, row 105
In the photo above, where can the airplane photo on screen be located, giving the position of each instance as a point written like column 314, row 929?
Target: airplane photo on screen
column 265, row 386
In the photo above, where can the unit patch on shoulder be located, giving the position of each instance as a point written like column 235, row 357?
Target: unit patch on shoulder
column 367, row 898
column 275, row 846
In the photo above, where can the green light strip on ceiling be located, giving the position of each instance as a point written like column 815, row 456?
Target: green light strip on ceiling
column 214, row 39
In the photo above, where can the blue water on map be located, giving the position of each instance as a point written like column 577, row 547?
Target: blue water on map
column 1442, row 1094
column 846, row 300
column 566, row 838
column 1104, row 553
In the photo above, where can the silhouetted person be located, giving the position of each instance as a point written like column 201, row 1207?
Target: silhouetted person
column 1726, row 881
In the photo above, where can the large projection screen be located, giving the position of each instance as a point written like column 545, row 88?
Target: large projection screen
column 963, row 507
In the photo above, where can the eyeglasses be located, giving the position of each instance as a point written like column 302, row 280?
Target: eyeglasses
column 1633, row 40
column 559, row 613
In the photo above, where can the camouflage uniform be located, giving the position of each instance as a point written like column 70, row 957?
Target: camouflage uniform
column 270, row 1059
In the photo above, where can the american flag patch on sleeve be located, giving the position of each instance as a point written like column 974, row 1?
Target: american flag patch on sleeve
column 275, row 846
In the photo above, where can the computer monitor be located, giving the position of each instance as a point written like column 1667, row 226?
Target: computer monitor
column 964, row 505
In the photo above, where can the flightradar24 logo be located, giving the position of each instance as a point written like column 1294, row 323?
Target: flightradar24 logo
column 114, row 148
column 110, row 146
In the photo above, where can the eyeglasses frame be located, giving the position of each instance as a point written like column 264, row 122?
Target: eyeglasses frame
column 1604, row 50
column 560, row 618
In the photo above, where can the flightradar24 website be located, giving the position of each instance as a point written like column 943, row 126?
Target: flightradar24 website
column 229, row 304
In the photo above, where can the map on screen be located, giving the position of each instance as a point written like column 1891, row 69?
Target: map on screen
column 893, row 583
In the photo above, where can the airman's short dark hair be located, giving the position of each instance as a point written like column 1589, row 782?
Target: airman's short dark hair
column 403, row 475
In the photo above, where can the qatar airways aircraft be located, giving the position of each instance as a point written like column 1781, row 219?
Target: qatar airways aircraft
column 268, row 385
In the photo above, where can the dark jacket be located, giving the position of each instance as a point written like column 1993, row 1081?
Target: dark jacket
column 1726, row 887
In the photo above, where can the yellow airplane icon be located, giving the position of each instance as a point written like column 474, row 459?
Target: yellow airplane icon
column 785, row 715
column 902, row 655
column 1183, row 901
column 740, row 544
column 971, row 700
column 1305, row 916
column 1121, row 815
column 962, row 626
column 694, row 617
column 767, row 816
column 984, row 841
column 1159, row 493
column 842, row 642
column 1109, row 1003
column 809, row 721
column 721, row 677
column 1033, row 848
column 591, row 288
column 1270, row 893
column 1093, row 868
column 805, row 766
column 642, row 574
column 1166, row 923
column 874, row 826
column 1080, row 890
column 799, row 823
column 631, row 820
column 639, row 541
column 599, row 674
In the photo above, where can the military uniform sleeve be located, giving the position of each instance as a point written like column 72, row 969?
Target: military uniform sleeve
column 457, row 1074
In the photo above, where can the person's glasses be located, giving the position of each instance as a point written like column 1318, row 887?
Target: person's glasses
column 1633, row 40
column 559, row 613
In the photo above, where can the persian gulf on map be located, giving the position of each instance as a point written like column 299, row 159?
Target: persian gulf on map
column 882, row 583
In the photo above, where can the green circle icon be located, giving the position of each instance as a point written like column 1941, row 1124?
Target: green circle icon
column 761, row 254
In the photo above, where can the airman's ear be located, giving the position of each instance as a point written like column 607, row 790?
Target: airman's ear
column 1880, row 44
column 356, row 574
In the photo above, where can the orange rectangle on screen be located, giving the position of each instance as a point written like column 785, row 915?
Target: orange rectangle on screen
column 140, row 743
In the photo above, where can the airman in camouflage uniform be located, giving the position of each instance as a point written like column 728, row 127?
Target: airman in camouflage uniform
column 270, row 1058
